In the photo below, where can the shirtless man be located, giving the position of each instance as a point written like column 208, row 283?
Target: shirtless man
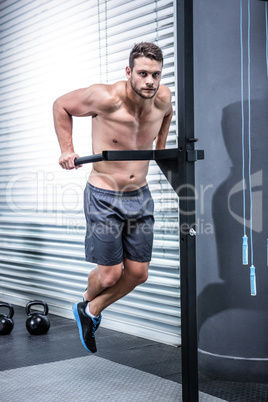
column 118, row 206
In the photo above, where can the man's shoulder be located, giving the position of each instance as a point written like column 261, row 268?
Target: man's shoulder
column 108, row 90
column 106, row 95
column 164, row 93
column 163, row 97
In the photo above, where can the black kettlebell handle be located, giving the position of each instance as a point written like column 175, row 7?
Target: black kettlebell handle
column 10, row 307
column 35, row 303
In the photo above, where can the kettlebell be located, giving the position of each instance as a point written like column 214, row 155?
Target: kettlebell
column 37, row 323
column 6, row 322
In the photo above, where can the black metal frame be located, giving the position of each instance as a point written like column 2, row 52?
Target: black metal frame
column 179, row 168
column 185, row 90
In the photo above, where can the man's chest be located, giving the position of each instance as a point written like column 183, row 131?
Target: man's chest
column 123, row 129
column 137, row 124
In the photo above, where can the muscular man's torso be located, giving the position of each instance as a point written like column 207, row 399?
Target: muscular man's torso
column 119, row 127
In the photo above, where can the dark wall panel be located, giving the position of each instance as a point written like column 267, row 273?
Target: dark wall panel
column 233, row 325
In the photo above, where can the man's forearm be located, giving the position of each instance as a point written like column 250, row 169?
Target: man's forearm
column 63, row 124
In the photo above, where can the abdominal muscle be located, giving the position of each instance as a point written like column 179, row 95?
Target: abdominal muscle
column 119, row 176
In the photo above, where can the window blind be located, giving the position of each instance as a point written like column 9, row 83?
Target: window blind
column 49, row 48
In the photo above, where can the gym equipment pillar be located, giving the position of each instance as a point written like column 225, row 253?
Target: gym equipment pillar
column 186, row 169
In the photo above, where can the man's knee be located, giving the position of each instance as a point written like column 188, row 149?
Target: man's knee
column 142, row 276
column 110, row 275
column 138, row 271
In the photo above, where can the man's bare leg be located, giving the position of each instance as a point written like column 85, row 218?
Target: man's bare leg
column 134, row 273
column 101, row 278
column 121, row 283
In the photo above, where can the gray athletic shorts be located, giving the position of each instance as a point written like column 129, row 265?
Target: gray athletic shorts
column 119, row 224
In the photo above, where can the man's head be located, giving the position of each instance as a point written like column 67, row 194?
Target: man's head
column 145, row 49
column 145, row 69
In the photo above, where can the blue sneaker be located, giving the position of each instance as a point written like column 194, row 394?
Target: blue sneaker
column 87, row 326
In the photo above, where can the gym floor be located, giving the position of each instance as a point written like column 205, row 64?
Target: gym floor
column 21, row 351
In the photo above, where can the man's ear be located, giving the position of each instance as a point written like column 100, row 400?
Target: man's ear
column 128, row 72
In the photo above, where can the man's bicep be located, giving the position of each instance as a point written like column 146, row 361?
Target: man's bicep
column 78, row 102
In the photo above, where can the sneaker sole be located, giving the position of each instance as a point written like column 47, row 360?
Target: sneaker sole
column 77, row 318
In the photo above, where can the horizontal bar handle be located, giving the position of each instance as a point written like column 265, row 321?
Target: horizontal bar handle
column 128, row 155
column 88, row 159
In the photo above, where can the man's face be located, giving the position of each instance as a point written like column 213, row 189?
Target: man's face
column 145, row 77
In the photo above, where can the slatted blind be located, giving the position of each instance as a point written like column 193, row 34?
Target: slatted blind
column 50, row 47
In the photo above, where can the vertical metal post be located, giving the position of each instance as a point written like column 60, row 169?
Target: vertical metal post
column 186, row 193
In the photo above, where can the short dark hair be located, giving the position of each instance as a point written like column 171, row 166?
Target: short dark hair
column 145, row 49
